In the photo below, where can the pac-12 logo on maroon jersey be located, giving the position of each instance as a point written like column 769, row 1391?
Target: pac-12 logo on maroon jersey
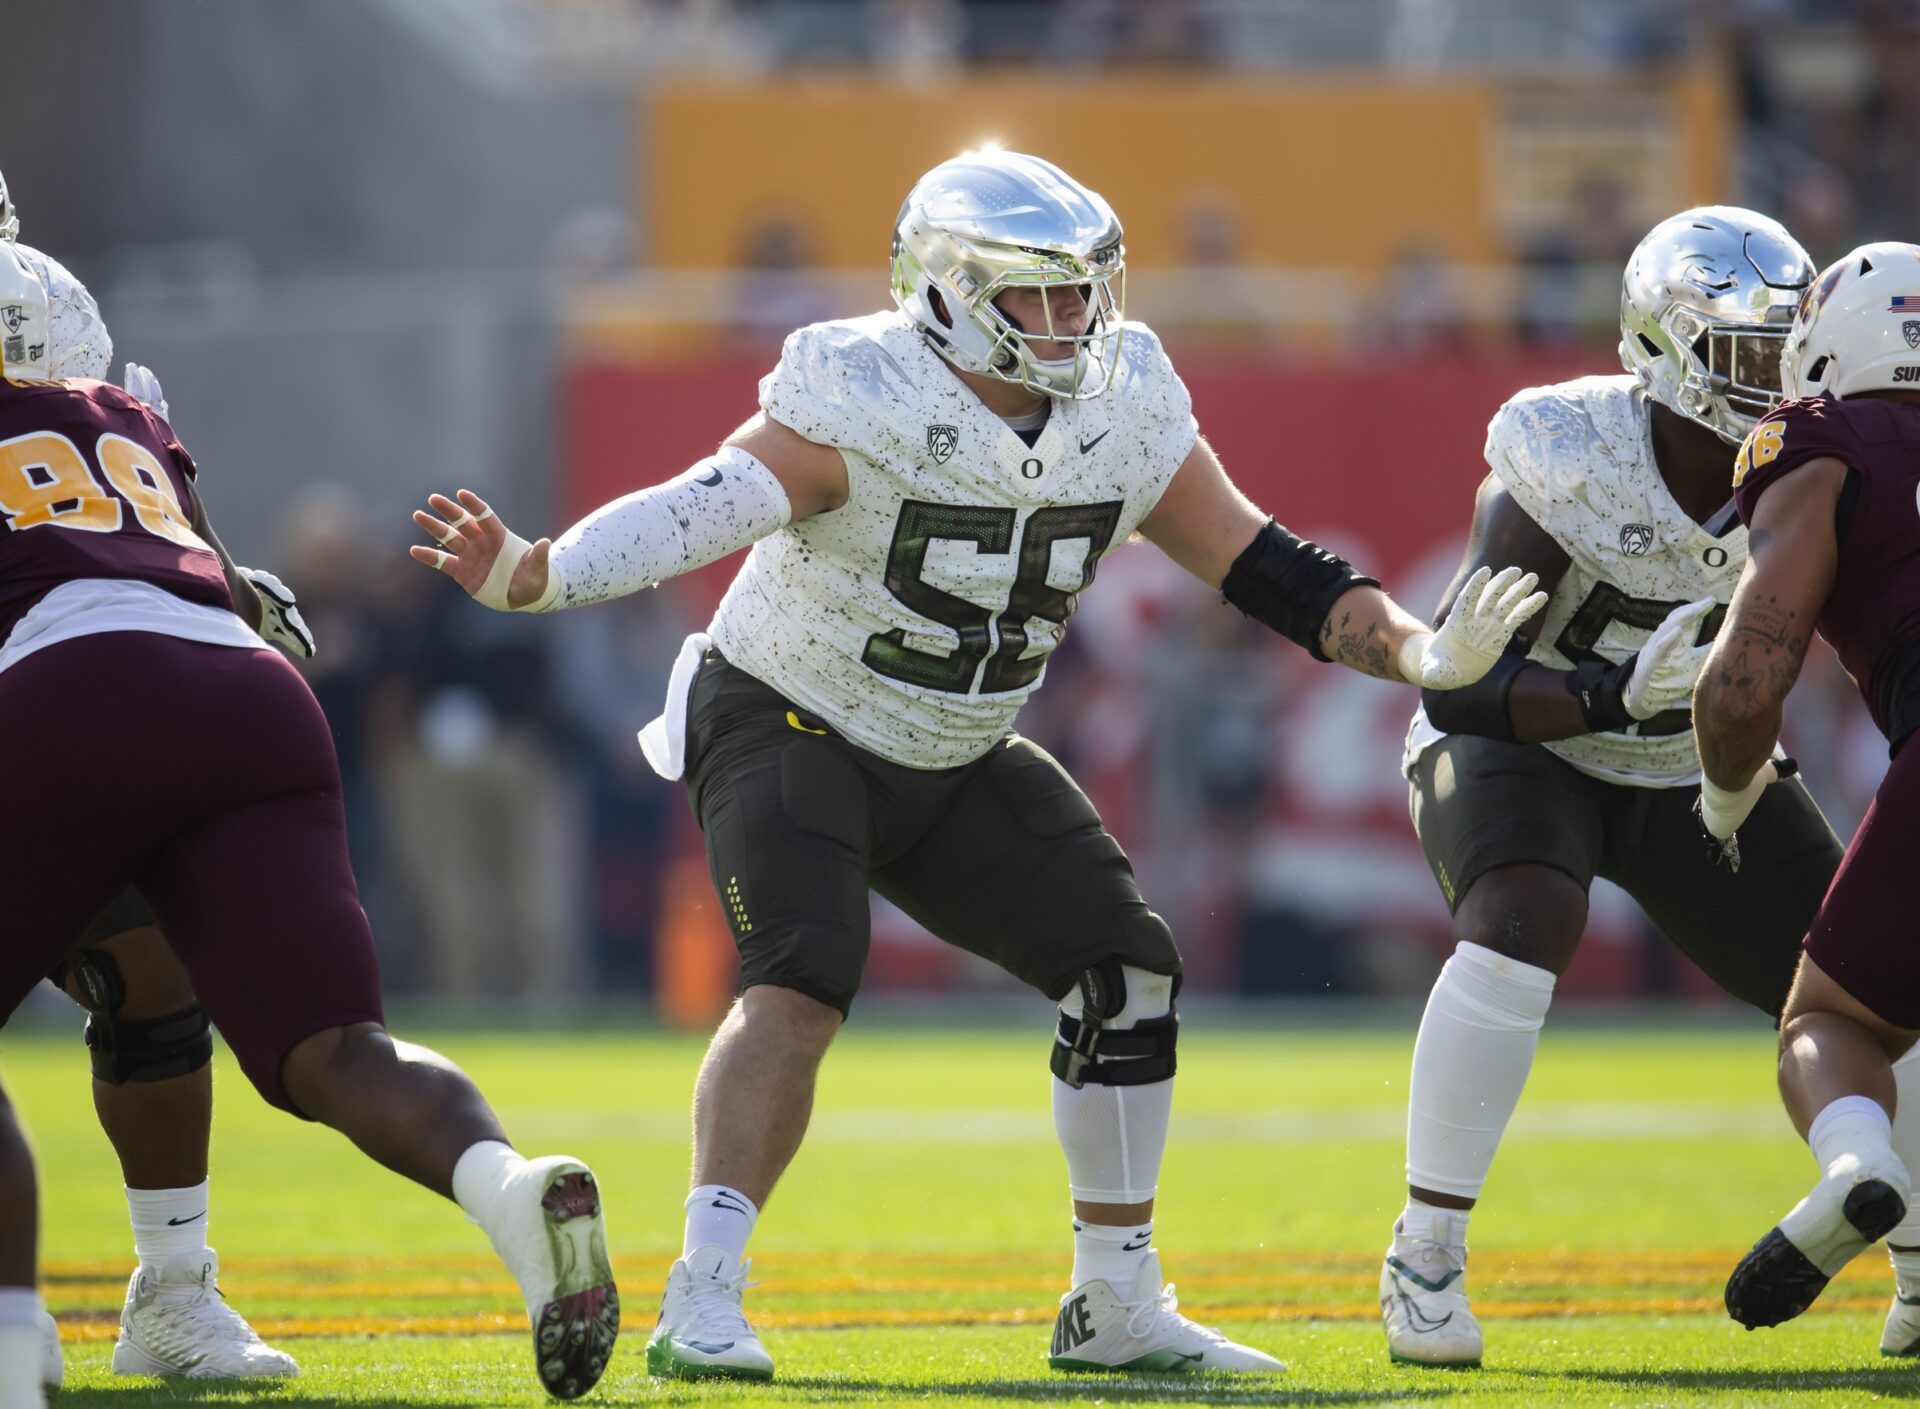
column 942, row 441
column 1635, row 538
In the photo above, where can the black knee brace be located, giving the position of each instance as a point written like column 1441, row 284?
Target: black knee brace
column 135, row 1049
column 1088, row 1050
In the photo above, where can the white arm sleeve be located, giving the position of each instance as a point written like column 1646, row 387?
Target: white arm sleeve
column 721, row 504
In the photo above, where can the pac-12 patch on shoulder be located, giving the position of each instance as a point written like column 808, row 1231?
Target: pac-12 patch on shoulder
column 943, row 441
column 1635, row 538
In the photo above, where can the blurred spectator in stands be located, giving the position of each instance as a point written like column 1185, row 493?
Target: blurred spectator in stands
column 918, row 39
column 775, row 293
column 1422, row 305
column 1570, row 272
column 484, row 820
column 610, row 669
column 322, row 554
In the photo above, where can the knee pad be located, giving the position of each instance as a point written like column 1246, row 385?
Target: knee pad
column 136, row 1049
column 1118, row 1027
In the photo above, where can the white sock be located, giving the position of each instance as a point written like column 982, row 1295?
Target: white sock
column 1425, row 1223
column 480, row 1174
column 1906, row 1144
column 718, row 1217
column 20, row 1306
column 1110, row 1254
column 169, row 1221
column 1852, row 1125
column 1470, row 1063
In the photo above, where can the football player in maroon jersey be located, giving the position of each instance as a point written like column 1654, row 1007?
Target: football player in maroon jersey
column 1827, row 485
column 150, row 739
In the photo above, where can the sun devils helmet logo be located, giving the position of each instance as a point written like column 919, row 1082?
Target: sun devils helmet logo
column 1635, row 539
column 943, row 441
column 1911, row 329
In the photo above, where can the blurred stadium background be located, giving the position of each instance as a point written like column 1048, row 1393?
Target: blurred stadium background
column 545, row 248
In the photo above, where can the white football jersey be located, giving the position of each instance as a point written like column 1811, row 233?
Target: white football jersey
column 1578, row 457
column 916, row 618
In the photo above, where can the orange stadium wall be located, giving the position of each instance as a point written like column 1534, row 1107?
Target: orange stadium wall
column 1301, row 171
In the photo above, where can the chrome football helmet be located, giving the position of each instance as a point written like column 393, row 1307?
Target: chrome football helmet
column 988, row 221
column 9, row 217
column 1704, row 311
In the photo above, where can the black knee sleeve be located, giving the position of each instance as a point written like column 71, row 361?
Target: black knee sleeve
column 1086, row 1049
column 150, row 1049
column 135, row 1049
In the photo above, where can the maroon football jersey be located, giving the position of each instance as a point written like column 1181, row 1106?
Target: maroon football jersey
column 93, row 484
column 1872, row 617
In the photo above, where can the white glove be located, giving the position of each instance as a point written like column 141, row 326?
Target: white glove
column 280, row 619
column 141, row 384
column 1489, row 609
column 1723, row 812
column 1666, row 667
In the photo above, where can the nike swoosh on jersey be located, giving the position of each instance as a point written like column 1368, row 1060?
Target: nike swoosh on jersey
column 794, row 720
column 1087, row 445
column 712, row 480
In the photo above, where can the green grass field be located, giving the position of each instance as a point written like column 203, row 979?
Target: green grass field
column 920, row 1241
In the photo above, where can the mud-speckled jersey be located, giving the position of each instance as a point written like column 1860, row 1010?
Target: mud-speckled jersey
column 917, row 617
column 1578, row 458
column 93, row 485
column 1872, row 616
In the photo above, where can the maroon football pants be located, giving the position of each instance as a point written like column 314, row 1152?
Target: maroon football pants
column 1863, row 937
column 204, row 775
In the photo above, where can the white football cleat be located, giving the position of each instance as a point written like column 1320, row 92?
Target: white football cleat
column 702, row 1332
column 1901, row 1335
column 1097, row 1329
column 1852, row 1207
column 53, row 1365
column 548, row 1228
column 1423, row 1298
column 177, row 1324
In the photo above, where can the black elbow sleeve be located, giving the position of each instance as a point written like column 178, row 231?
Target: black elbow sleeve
column 1289, row 584
column 1480, row 708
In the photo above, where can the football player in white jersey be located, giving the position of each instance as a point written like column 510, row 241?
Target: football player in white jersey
column 1574, row 757
column 149, row 1041
column 927, row 491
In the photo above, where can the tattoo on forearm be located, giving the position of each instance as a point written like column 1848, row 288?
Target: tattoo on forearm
column 1363, row 649
column 1753, row 669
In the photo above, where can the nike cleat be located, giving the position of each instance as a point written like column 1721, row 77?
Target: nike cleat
column 1901, row 1335
column 703, row 1332
column 549, row 1229
column 1098, row 1329
column 1849, row 1210
column 1423, row 1300
column 176, row 1324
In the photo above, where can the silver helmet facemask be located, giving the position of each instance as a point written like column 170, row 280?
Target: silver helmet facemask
column 1704, row 311
column 987, row 222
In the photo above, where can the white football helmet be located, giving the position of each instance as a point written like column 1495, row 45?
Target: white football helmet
column 50, row 327
column 1858, row 328
column 988, row 221
column 1704, row 310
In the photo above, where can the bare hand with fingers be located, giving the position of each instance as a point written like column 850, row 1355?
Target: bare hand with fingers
column 498, row 568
